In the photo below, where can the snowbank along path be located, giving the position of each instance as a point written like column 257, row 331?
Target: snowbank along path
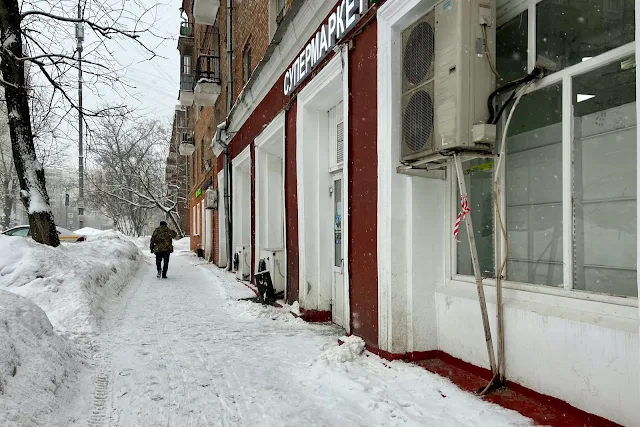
column 185, row 352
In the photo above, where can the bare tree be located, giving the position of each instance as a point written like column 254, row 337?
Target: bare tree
column 37, row 33
column 129, row 156
column 50, row 145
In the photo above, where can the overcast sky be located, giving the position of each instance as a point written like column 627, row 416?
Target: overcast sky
column 157, row 81
column 154, row 84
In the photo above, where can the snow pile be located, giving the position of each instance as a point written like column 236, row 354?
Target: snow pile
column 37, row 367
column 182, row 245
column 88, row 231
column 253, row 310
column 295, row 308
column 351, row 349
column 141, row 242
column 71, row 283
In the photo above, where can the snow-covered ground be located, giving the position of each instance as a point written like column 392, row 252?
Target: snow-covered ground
column 140, row 351
column 185, row 352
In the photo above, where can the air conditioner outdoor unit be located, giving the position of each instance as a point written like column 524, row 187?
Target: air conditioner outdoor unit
column 274, row 258
column 447, row 79
column 211, row 198
column 242, row 264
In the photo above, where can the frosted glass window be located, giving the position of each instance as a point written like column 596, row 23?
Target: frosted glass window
column 533, row 189
column 604, row 184
column 478, row 178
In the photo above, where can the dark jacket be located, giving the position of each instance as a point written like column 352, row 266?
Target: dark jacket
column 162, row 239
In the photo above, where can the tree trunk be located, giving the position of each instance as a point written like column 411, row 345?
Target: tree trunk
column 33, row 191
column 8, row 205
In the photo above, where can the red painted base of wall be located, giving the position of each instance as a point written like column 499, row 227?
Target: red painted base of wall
column 543, row 409
column 314, row 316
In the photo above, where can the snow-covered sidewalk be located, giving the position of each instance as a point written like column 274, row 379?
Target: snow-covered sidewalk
column 184, row 352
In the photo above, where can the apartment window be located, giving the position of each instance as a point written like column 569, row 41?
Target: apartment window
column 246, row 61
column 186, row 65
column 567, row 192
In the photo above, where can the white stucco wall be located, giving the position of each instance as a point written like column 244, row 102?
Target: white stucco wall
column 586, row 359
column 583, row 349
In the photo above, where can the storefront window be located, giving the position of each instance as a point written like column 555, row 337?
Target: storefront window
column 478, row 179
column 600, row 241
column 570, row 32
column 604, row 185
column 511, row 49
column 533, row 189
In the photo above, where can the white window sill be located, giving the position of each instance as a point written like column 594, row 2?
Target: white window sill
column 601, row 310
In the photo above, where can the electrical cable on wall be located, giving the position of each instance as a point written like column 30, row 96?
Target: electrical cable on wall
column 499, row 277
column 279, row 270
column 511, row 86
column 486, row 51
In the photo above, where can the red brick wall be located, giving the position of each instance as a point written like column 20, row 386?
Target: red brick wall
column 250, row 20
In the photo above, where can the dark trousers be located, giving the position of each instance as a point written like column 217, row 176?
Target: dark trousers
column 160, row 256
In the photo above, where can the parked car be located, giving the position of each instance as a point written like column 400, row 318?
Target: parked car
column 65, row 235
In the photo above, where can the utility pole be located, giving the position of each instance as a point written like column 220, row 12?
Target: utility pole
column 80, row 38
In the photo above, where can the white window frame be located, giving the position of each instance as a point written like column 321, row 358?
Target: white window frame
column 564, row 77
column 194, row 225
column 198, row 219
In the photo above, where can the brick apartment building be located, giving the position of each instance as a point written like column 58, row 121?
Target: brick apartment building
column 322, row 146
column 204, row 62
column 177, row 170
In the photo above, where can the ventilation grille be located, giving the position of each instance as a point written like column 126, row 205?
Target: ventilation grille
column 418, row 53
column 336, row 135
column 418, row 71
column 417, row 121
column 340, row 143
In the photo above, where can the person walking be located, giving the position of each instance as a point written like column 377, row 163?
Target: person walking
column 162, row 246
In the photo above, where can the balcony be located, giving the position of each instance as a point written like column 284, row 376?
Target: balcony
column 186, row 90
column 205, row 11
column 188, row 144
column 208, row 85
column 186, row 35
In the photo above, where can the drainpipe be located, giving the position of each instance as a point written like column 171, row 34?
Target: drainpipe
column 227, row 206
column 227, row 159
column 229, row 59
